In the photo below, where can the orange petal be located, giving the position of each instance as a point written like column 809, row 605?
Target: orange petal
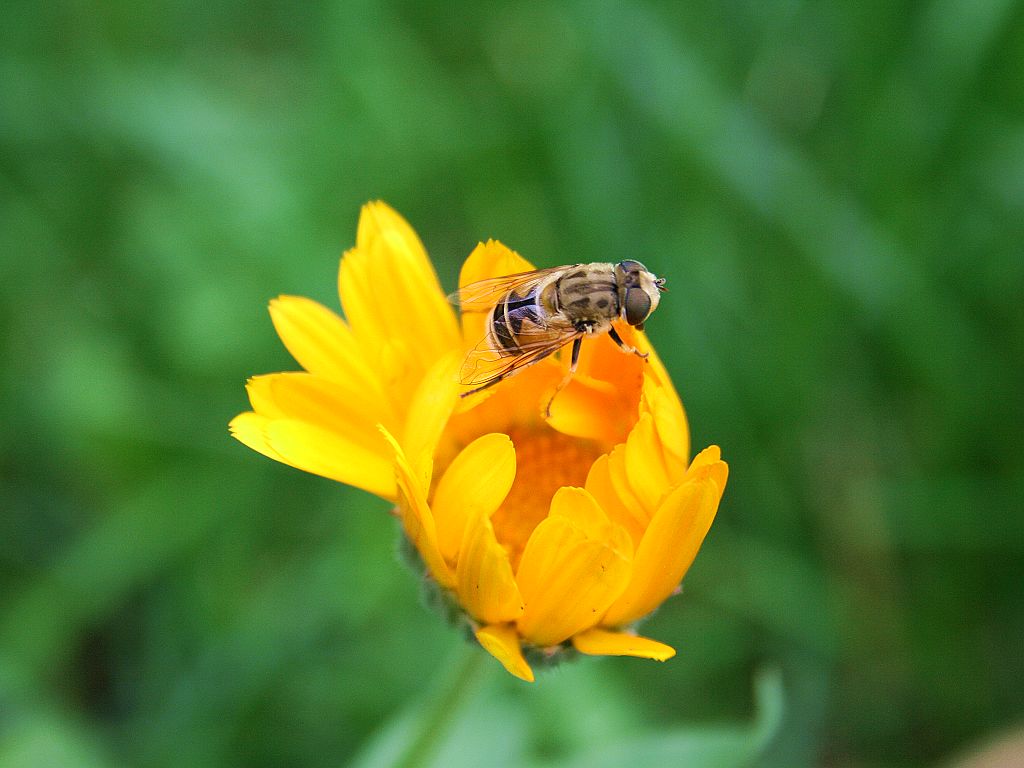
column 474, row 485
column 323, row 344
column 567, row 581
column 484, row 580
column 502, row 642
column 329, row 454
column 667, row 549
column 417, row 519
column 583, row 409
column 602, row 642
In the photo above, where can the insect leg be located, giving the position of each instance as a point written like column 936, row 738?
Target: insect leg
column 573, row 361
column 518, row 364
column 490, row 383
column 624, row 346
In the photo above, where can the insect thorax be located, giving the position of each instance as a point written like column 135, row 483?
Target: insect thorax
column 589, row 295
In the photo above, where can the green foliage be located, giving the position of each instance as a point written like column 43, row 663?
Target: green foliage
column 835, row 192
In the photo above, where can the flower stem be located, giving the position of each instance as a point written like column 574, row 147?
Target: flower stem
column 441, row 709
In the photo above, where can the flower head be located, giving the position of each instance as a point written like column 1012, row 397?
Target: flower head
column 548, row 530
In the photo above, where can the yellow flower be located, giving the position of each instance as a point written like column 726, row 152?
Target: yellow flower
column 549, row 532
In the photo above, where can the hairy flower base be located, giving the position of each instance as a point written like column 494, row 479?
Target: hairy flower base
column 544, row 535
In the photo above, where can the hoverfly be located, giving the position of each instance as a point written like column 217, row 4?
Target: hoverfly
column 533, row 314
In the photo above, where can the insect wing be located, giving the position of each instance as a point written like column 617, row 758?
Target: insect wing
column 485, row 363
column 482, row 295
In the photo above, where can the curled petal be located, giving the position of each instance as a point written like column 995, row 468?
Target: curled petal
column 600, row 402
column 644, row 464
column 484, row 581
column 580, row 507
column 708, row 463
column 417, row 519
column 618, row 473
column 673, row 431
column 567, row 581
column 667, row 549
column 502, row 642
column 586, row 409
column 429, row 411
column 599, row 485
column 474, row 485
column 603, row 642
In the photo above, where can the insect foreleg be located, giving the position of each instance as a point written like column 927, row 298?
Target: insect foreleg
column 574, row 360
column 624, row 346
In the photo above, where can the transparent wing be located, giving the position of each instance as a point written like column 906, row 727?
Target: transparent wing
column 482, row 295
column 485, row 364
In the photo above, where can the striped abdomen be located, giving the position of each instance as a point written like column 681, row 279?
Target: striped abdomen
column 511, row 315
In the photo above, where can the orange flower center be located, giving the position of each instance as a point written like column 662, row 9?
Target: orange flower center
column 545, row 461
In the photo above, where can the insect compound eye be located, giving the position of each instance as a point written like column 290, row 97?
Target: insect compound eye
column 638, row 305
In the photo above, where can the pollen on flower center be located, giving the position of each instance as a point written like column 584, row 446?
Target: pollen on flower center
column 546, row 460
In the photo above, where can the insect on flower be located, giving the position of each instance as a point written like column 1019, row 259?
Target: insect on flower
column 549, row 533
column 533, row 314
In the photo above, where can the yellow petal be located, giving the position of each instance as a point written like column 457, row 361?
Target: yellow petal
column 654, row 371
column 320, row 401
column 580, row 507
column 673, row 431
column 250, row 429
column 429, row 411
column 382, row 225
column 619, row 475
column 644, row 464
column 599, row 484
column 488, row 260
column 474, row 485
column 708, row 463
column 602, row 642
column 332, row 455
column 323, row 344
column 417, row 519
column 502, row 642
column 667, row 549
column 390, row 292
column 484, row 580
column 567, row 581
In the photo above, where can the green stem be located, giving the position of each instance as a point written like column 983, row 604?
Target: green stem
column 440, row 711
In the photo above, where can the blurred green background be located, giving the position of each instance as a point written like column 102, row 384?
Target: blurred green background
column 835, row 192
